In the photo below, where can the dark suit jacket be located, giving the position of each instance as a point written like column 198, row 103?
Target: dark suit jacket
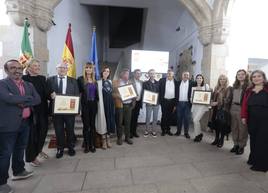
column 71, row 88
column 10, row 98
column 162, row 88
column 177, row 95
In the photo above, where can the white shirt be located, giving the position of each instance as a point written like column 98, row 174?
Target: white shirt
column 64, row 83
column 184, row 91
column 138, row 89
column 170, row 89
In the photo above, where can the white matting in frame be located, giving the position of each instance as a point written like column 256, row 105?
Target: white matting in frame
column 66, row 104
column 150, row 97
column 201, row 97
column 127, row 92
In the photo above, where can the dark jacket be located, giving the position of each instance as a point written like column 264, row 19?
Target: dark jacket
column 162, row 88
column 10, row 99
column 83, row 90
column 177, row 94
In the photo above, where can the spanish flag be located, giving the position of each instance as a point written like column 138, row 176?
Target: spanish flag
column 68, row 54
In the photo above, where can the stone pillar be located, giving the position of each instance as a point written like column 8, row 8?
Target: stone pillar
column 40, row 14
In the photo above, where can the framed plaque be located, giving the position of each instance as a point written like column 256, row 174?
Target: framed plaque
column 127, row 92
column 66, row 104
column 201, row 97
column 150, row 97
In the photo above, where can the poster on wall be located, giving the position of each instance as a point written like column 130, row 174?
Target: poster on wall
column 146, row 60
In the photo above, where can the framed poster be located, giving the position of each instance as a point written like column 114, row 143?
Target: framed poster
column 66, row 104
column 127, row 92
column 150, row 97
column 201, row 97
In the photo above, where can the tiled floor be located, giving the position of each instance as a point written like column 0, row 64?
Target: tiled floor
column 152, row 165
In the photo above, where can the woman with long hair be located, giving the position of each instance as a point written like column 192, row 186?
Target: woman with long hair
column 221, row 108
column 254, row 113
column 39, row 123
column 197, row 109
column 239, row 130
column 106, row 109
column 89, row 97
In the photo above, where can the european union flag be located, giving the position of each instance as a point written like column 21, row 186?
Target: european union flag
column 94, row 54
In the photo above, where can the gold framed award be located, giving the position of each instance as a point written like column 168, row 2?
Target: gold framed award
column 150, row 97
column 127, row 92
column 66, row 104
column 201, row 97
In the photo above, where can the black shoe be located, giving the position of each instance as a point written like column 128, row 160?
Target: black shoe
column 187, row 136
column 169, row 133
column 177, row 133
column 59, row 153
column 71, row 152
column 130, row 136
column 86, row 150
column 92, row 149
column 239, row 151
column 198, row 138
column 128, row 141
column 119, row 141
column 163, row 133
column 253, row 168
column 220, row 144
column 234, row 149
column 136, row 135
column 215, row 142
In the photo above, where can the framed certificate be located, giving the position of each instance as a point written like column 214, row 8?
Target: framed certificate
column 150, row 97
column 127, row 92
column 201, row 97
column 66, row 104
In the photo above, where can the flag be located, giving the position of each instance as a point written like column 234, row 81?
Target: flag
column 94, row 54
column 68, row 54
column 25, row 50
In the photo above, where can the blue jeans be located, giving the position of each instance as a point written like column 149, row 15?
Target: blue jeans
column 149, row 110
column 13, row 143
column 183, row 116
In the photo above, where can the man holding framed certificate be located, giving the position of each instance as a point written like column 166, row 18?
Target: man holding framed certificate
column 64, row 116
column 124, row 95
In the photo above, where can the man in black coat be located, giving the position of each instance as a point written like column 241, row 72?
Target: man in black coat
column 167, row 89
column 62, row 84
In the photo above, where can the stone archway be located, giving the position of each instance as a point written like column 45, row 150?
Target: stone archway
column 213, row 24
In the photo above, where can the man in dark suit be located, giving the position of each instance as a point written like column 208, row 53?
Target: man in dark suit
column 16, row 99
column 62, row 84
column 183, row 95
column 167, row 89
column 137, row 83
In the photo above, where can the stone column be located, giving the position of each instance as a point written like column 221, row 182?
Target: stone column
column 40, row 14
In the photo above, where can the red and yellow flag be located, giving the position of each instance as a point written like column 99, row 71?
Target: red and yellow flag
column 68, row 54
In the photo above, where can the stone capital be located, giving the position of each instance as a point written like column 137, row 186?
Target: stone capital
column 39, row 13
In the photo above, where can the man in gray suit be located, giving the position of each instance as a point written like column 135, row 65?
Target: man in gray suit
column 62, row 84
column 16, row 99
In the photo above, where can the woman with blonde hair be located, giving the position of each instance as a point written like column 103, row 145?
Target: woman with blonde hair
column 89, row 98
column 221, row 107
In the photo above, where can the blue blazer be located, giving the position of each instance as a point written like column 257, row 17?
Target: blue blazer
column 10, row 99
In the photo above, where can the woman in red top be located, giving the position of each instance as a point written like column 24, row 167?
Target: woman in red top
column 254, row 113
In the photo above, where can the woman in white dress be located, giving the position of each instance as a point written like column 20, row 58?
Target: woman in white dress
column 198, row 110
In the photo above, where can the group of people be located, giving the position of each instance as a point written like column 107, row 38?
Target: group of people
column 26, row 102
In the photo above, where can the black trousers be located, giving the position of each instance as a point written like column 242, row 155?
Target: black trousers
column 89, row 111
column 62, row 124
column 37, row 135
column 134, row 117
column 167, row 107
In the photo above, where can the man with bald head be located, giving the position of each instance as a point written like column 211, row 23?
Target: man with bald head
column 16, row 99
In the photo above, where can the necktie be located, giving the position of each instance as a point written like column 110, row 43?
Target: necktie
column 61, row 85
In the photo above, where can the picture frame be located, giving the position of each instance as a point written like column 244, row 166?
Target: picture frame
column 150, row 97
column 201, row 97
column 127, row 92
column 66, row 105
